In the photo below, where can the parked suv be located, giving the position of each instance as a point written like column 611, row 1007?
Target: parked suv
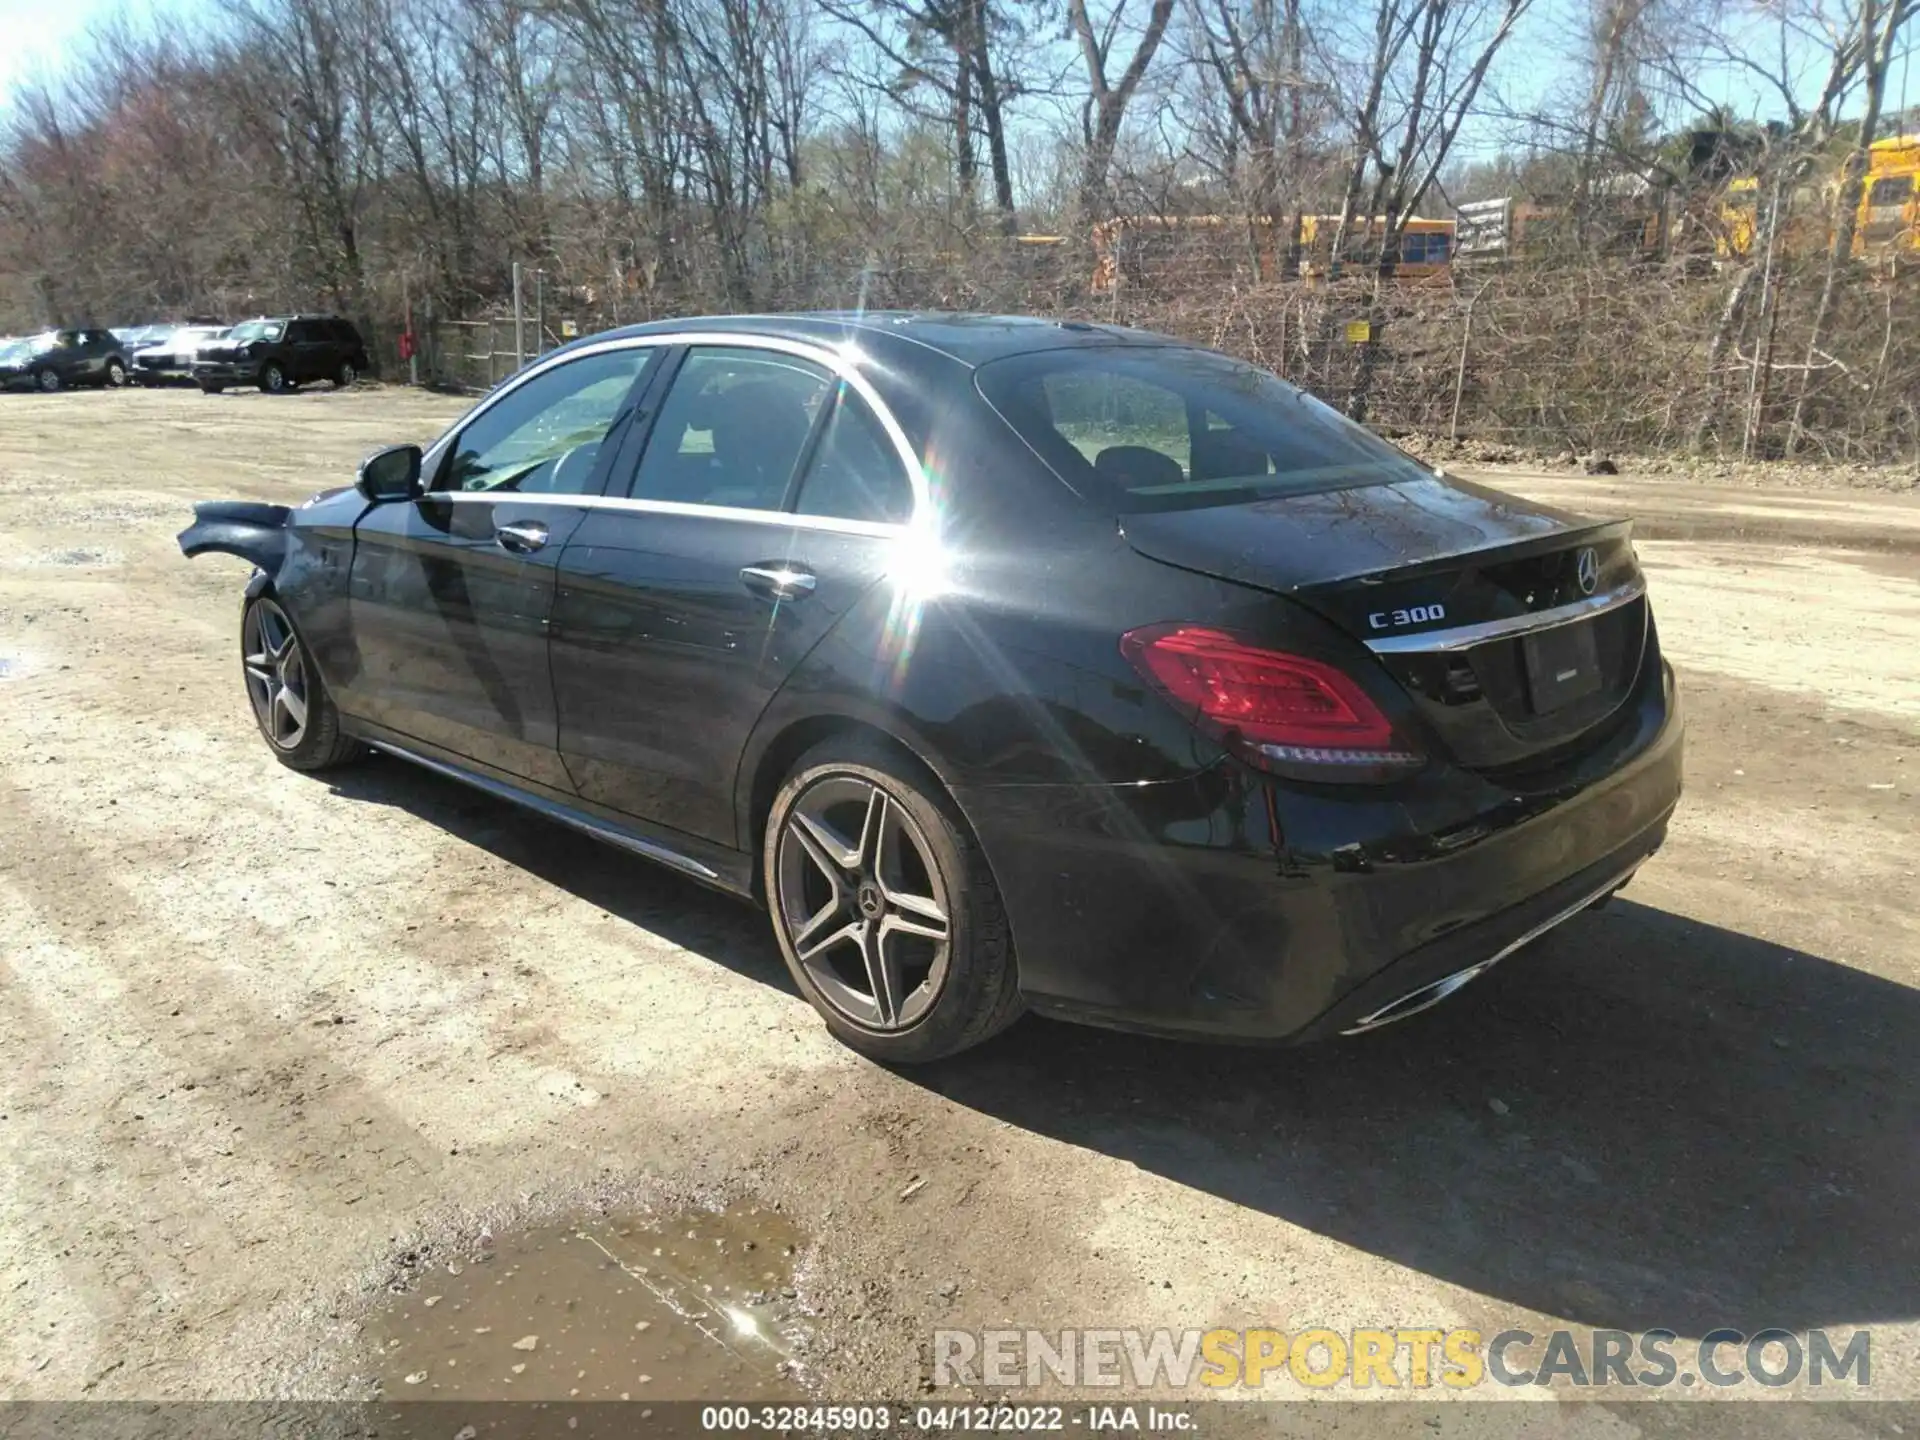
column 279, row 353
column 54, row 359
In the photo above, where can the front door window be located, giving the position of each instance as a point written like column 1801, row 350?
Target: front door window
column 544, row 437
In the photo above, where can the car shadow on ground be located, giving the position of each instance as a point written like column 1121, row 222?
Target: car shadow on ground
column 717, row 926
column 1641, row 1121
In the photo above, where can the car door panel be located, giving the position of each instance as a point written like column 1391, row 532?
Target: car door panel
column 452, row 592
column 452, row 627
column 679, row 614
column 664, row 655
column 302, row 344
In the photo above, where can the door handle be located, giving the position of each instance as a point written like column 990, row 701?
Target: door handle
column 782, row 579
column 523, row 537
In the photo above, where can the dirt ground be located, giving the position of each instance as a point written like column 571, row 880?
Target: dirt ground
column 274, row 1044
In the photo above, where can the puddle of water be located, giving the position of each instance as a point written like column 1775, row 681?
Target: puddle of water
column 613, row 1308
column 8, row 664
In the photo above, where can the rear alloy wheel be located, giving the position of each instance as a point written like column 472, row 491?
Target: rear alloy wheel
column 290, row 702
column 344, row 377
column 48, row 381
column 273, row 378
column 116, row 374
column 884, row 907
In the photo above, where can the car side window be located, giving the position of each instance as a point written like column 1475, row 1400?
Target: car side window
column 732, row 428
column 855, row 473
column 544, row 436
column 300, row 332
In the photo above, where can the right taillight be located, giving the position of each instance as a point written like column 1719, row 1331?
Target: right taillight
column 1279, row 711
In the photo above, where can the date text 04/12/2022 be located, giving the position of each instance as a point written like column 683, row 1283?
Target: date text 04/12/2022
column 946, row 1418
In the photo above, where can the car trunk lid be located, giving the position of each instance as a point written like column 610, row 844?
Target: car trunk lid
column 1517, row 629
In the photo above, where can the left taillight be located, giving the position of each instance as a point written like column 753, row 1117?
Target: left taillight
column 1283, row 712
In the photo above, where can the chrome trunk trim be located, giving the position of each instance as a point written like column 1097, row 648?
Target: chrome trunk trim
column 1465, row 637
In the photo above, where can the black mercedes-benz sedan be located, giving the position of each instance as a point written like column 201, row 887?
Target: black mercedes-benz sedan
column 1010, row 663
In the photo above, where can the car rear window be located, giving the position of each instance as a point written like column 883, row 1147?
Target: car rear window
column 1171, row 428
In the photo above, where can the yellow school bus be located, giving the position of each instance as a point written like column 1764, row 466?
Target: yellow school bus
column 1887, row 224
column 1426, row 246
column 1154, row 250
column 1889, row 219
column 1183, row 249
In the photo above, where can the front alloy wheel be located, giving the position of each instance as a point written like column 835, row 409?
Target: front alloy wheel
column 289, row 698
column 116, row 374
column 48, row 381
column 276, row 675
column 273, row 378
column 862, row 903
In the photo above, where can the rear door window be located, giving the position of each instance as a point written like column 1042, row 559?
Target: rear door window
column 732, row 429
column 855, row 472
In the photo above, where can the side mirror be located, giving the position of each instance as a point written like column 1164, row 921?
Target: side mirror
column 390, row 474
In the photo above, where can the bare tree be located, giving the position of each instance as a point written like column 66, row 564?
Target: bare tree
column 1257, row 59
column 307, row 72
column 1880, row 23
column 964, row 50
column 1108, row 96
column 1426, row 64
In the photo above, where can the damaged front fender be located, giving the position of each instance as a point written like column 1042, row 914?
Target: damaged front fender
column 254, row 531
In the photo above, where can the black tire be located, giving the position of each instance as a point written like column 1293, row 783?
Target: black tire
column 47, row 381
column 344, row 377
column 977, row 993
column 273, row 378
column 210, row 387
column 271, row 654
column 116, row 374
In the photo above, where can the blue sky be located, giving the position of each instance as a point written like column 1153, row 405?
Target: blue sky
column 40, row 34
column 37, row 34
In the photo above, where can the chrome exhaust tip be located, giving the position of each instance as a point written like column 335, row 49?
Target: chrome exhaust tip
column 1425, row 997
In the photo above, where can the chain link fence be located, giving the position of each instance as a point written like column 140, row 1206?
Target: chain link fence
column 1606, row 355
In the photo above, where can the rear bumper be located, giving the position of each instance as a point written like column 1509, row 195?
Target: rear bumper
column 1236, row 906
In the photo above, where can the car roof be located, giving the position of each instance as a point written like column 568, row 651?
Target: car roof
column 971, row 339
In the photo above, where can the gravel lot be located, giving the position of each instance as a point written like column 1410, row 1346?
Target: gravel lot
column 271, row 1040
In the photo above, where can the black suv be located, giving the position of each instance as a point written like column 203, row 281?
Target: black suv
column 280, row 353
column 57, row 358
